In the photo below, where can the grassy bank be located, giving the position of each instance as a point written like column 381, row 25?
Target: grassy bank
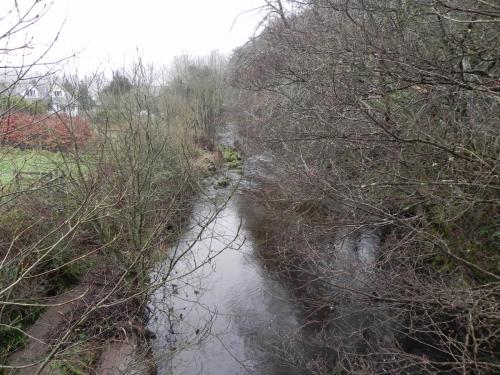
column 105, row 239
column 96, row 218
column 27, row 164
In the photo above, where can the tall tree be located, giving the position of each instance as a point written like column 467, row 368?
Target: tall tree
column 119, row 85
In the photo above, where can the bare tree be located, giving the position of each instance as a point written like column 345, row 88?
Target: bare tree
column 82, row 228
column 383, row 125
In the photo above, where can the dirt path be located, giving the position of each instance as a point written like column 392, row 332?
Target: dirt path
column 37, row 346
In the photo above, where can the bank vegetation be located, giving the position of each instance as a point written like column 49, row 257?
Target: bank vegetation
column 89, row 202
column 382, row 119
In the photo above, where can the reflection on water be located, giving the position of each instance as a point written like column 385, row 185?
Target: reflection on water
column 218, row 311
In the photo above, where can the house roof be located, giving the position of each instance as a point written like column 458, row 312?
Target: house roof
column 45, row 90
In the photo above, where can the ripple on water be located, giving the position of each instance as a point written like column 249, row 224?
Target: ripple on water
column 222, row 316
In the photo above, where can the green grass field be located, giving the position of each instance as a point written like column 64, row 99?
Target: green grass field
column 19, row 162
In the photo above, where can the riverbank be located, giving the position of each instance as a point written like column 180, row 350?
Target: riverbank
column 357, row 290
column 387, row 137
column 95, row 322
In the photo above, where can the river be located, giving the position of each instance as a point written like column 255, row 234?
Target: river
column 218, row 311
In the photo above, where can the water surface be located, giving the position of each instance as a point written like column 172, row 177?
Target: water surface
column 219, row 311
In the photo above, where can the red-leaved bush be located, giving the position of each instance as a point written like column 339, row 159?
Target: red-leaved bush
column 42, row 131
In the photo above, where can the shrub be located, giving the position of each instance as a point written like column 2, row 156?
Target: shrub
column 40, row 131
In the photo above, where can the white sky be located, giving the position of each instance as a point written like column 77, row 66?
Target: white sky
column 108, row 33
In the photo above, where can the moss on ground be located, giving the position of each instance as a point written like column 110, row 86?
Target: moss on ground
column 232, row 157
column 223, row 182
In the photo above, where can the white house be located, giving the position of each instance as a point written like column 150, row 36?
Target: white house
column 62, row 101
column 57, row 98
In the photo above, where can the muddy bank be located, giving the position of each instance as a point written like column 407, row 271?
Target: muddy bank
column 107, row 322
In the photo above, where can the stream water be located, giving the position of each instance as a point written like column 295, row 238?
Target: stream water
column 218, row 311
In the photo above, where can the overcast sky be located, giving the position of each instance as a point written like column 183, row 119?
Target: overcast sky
column 108, row 33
